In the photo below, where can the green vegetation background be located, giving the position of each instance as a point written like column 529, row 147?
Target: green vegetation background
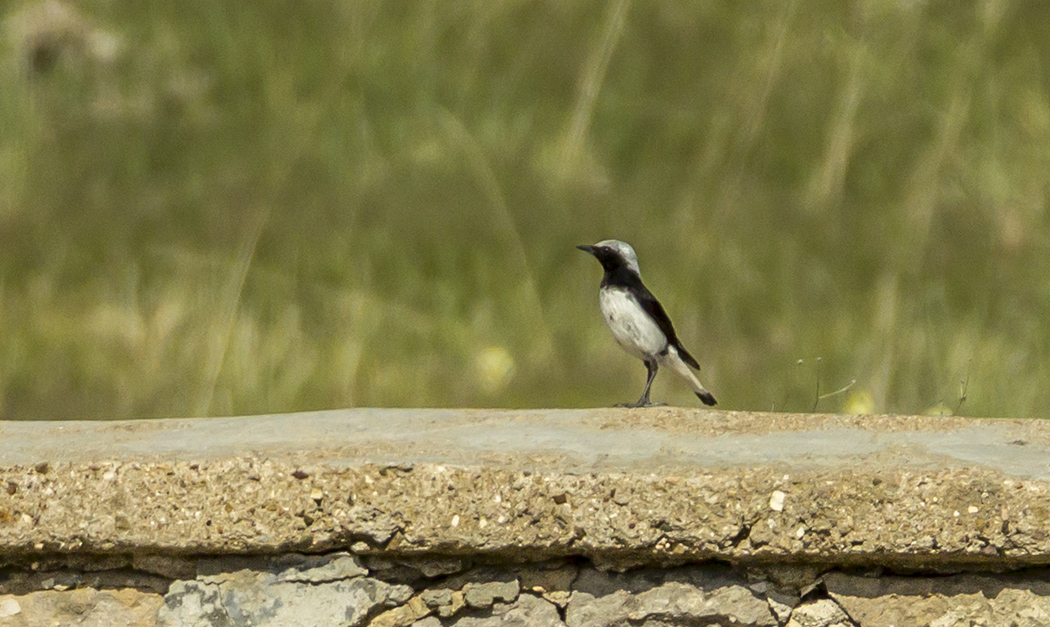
column 212, row 207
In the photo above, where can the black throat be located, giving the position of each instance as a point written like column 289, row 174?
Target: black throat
column 621, row 276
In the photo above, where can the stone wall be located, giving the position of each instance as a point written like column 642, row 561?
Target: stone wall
column 343, row 589
column 474, row 518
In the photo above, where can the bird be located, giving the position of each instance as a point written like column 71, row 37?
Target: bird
column 638, row 321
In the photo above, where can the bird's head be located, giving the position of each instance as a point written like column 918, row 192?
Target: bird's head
column 614, row 254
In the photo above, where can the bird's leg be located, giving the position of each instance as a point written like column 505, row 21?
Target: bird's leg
column 650, row 365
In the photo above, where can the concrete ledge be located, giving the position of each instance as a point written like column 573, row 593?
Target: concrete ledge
column 622, row 487
column 584, row 518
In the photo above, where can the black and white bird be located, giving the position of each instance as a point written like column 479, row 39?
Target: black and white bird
column 638, row 321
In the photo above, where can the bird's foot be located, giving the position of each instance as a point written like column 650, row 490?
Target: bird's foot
column 640, row 404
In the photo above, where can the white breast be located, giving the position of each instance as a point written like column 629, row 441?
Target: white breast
column 633, row 329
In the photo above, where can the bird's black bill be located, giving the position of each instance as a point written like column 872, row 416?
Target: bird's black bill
column 585, row 248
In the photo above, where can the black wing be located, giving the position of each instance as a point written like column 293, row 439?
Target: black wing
column 656, row 311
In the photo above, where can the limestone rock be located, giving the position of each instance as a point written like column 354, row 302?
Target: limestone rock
column 436, row 598
column 485, row 594
column 402, row 616
column 446, row 611
column 943, row 601
column 820, row 613
column 675, row 596
column 671, row 602
column 527, row 611
column 85, row 607
column 329, row 568
column 781, row 605
column 259, row 599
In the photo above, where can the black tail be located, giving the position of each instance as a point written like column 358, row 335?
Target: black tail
column 689, row 359
column 706, row 398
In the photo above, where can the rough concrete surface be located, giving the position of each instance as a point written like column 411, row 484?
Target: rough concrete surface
column 646, row 486
column 476, row 518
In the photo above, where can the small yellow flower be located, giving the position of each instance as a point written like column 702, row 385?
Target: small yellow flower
column 940, row 409
column 495, row 368
column 859, row 402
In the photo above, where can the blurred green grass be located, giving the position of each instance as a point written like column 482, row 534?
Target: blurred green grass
column 211, row 207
